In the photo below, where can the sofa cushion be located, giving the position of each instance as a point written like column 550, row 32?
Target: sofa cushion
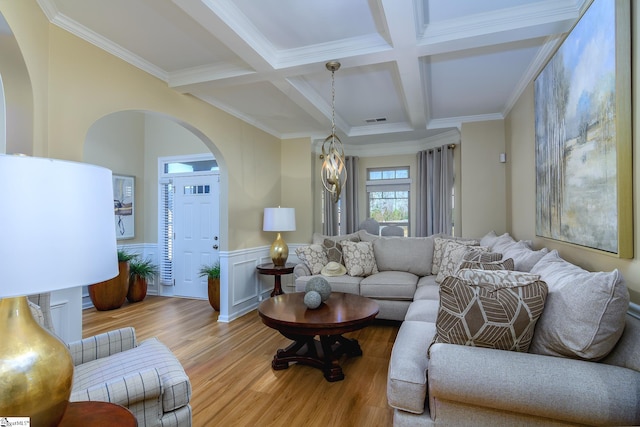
column 359, row 258
column 427, row 289
column 344, row 283
column 398, row 285
column 523, row 256
column 500, row 316
column 585, row 312
column 425, row 310
column 314, row 256
column 411, row 254
column 452, row 256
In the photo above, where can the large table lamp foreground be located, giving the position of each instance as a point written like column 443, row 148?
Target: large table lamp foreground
column 57, row 232
column 279, row 219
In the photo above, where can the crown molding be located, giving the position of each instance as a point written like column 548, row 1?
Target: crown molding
column 458, row 121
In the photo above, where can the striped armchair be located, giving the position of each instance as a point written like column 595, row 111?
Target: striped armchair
column 144, row 377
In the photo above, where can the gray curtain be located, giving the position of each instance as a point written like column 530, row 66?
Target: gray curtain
column 434, row 188
column 350, row 211
column 330, row 227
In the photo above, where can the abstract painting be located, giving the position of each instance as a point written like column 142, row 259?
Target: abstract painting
column 583, row 134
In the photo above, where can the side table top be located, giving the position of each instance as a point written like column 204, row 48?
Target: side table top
column 269, row 268
column 340, row 313
column 97, row 414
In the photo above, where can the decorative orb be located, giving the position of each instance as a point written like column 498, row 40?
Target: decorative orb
column 320, row 285
column 312, row 299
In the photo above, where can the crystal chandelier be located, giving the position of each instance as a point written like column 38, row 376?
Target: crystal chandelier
column 333, row 173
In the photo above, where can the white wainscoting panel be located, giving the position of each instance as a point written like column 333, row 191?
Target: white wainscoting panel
column 66, row 313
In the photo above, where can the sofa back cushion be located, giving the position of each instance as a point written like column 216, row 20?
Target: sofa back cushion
column 585, row 312
column 410, row 254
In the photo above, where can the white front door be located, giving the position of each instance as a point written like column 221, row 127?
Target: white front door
column 196, row 226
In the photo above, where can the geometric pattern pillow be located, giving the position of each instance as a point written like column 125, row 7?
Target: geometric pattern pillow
column 452, row 256
column 314, row 256
column 499, row 316
column 333, row 249
column 503, row 264
column 473, row 254
column 359, row 258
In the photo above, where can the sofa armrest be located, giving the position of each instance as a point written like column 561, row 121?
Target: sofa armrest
column 300, row 270
column 550, row 387
column 102, row 345
column 127, row 390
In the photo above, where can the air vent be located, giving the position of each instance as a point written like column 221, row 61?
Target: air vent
column 381, row 119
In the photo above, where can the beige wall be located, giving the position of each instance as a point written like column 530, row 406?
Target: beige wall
column 297, row 187
column 75, row 84
column 483, row 178
column 521, row 175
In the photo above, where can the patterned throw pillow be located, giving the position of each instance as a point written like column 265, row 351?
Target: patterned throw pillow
column 499, row 316
column 439, row 244
column 452, row 256
column 333, row 249
column 502, row 276
column 359, row 258
column 481, row 254
column 314, row 256
column 505, row 264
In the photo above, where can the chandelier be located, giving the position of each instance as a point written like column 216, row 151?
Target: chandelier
column 333, row 172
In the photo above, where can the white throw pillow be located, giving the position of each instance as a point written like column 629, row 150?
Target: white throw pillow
column 359, row 258
column 523, row 256
column 585, row 312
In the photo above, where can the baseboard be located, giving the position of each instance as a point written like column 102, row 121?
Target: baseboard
column 634, row 310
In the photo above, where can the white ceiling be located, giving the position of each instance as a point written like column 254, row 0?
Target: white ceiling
column 425, row 66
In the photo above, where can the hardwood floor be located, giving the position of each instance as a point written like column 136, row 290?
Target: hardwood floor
column 229, row 365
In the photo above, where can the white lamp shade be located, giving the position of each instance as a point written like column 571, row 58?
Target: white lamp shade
column 57, row 225
column 279, row 219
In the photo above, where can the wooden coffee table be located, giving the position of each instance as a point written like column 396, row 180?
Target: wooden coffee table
column 341, row 313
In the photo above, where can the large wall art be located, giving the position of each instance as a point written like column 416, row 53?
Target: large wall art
column 583, row 134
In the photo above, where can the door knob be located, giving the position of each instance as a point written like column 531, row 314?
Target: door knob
column 215, row 246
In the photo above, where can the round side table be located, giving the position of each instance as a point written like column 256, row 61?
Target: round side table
column 276, row 271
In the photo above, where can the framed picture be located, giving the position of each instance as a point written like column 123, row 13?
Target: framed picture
column 124, row 206
column 583, row 134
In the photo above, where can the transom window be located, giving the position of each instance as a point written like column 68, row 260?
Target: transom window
column 388, row 196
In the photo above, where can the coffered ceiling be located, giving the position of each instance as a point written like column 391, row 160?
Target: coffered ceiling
column 412, row 71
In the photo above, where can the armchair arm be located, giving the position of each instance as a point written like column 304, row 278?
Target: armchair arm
column 125, row 391
column 102, row 345
column 551, row 387
column 300, row 270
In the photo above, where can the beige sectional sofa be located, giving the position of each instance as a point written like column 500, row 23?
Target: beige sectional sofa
column 582, row 366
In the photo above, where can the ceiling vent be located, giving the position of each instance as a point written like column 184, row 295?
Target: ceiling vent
column 381, row 119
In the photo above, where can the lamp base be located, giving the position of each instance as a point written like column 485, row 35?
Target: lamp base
column 36, row 370
column 279, row 252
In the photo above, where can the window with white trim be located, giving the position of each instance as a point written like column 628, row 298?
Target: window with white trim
column 388, row 191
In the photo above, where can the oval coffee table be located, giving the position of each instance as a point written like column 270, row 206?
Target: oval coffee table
column 341, row 313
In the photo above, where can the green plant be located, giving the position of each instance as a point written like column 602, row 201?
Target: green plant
column 212, row 271
column 145, row 269
column 123, row 255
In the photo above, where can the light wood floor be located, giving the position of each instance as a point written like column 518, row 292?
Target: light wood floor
column 229, row 365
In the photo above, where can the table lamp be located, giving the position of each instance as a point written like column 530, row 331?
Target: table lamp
column 58, row 232
column 279, row 219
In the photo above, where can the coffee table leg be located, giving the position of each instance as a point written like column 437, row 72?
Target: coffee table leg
column 332, row 370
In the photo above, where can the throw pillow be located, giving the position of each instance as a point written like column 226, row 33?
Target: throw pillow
column 497, row 277
column 481, row 254
column 506, row 264
column 333, row 249
column 451, row 258
column 489, row 239
column 585, row 313
column 314, row 256
column 523, row 256
column 439, row 244
column 494, row 316
column 359, row 258
column 502, row 242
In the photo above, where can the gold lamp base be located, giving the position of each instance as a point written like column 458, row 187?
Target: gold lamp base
column 36, row 370
column 279, row 252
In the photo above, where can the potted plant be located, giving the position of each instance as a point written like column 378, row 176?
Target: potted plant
column 212, row 272
column 139, row 274
column 110, row 294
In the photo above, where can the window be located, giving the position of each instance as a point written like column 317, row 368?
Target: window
column 166, row 227
column 388, row 196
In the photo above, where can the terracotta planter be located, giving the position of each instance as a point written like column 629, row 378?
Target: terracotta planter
column 214, row 293
column 137, row 289
column 110, row 294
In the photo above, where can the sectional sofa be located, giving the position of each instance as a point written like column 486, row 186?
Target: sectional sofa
column 575, row 358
